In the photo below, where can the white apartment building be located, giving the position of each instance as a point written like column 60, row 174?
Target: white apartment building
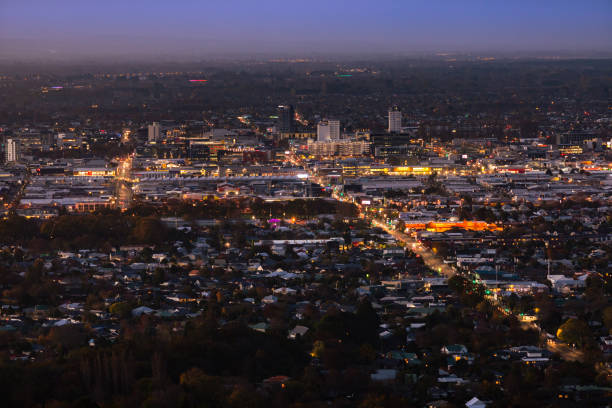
column 12, row 150
column 395, row 120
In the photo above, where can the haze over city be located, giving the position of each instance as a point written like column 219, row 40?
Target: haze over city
column 68, row 29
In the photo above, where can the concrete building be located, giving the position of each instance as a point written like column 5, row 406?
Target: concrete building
column 12, row 150
column 395, row 120
column 328, row 129
column 69, row 140
column 286, row 119
column 339, row 148
column 154, row 132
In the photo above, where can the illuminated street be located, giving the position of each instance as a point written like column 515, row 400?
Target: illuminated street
column 123, row 183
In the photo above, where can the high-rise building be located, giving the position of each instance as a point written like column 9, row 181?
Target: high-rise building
column 395, row 120
column 328, row 129
column 154, row 132
column 47, row 139
column 12, row 150
column 3, row 139
column 286, row 119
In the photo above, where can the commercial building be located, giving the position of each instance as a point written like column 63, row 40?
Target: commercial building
column 69, row 140
column 286, row 119
column 154, row 132
column 339, row 148
column 575, row 138
column 392, row 139
column 328, row 129
column 395, row 120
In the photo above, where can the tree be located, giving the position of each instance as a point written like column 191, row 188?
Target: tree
column 243, row 396
column 401, row 226
column 456, row 283
column 318, row 348
column 484, row 307
column 69, row 336
column 159, row 276
column 594, row 292
column 574, row 331
column 206, row 390
column 121, row 309
column 607, row 317
column 367, row 323
column 17, row 229
column 35, row 272
column 149, row 230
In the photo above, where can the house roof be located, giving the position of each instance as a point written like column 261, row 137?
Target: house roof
column 474, row 402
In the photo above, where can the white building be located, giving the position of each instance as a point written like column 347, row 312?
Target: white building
column 12, row 150
column 339, row 148
column 475, row 403
column 328, row 129
column 395, row 120
column 154, row 132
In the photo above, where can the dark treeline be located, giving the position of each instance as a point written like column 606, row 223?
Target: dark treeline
column 107, row 229
column 211, row 207
column 103, row 230
column 204, row 364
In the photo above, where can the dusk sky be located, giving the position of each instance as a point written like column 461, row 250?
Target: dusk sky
column 188, row 27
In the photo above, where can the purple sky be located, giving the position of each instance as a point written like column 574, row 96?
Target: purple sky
column 195, row 28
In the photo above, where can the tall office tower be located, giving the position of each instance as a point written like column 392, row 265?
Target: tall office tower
column 3, row 139
column 328, row 129
column 395, row 120
column 334, row 129
column 154, row 132
column 12, row 150
column 286, row 119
